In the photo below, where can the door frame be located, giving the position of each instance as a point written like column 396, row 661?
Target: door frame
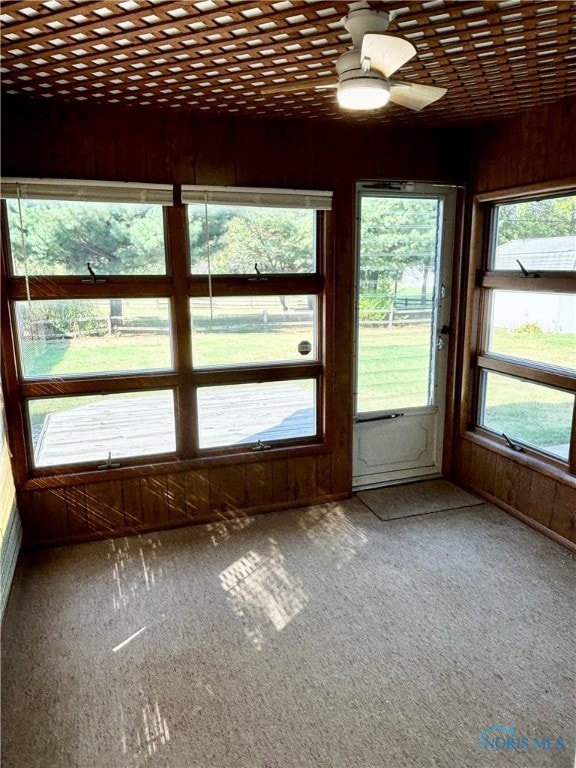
column 442, row 317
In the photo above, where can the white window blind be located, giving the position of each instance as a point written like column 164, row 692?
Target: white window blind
column 258, row 196
column 161, row 194
column 88, row 191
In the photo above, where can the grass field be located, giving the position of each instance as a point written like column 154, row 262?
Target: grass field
column 549, row 348
column 539, row 416
column 393, row 369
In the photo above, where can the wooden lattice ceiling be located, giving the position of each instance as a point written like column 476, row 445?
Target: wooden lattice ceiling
column 495, row 58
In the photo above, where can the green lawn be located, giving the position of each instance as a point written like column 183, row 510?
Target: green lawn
column 393, row 368
column 537, row 415
column 97, row 354
column 549, row 348
column 216, row 348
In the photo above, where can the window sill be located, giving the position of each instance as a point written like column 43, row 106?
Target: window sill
column 69, row 477
column 528, row 458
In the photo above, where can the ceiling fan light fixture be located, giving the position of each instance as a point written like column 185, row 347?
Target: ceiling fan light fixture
column 363, row 93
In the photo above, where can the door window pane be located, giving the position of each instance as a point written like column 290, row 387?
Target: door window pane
column 540, row 327
column 530, row 413
column 247, row 413
column 76, row 430
column 396, row 299
column 233, row 239
column 541, row 234
column 96, row 336
column 238, row 330
column 59, row 238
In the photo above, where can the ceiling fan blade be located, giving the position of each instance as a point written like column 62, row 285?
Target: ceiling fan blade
column 303, row 85
column 385, row 53
column 414, row 95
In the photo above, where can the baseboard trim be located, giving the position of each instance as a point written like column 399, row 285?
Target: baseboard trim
column 229, row 517
column 555, row 537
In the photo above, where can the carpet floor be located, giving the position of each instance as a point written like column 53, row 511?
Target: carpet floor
column 318, row 638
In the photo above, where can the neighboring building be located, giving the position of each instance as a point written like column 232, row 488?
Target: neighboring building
column 553, row 313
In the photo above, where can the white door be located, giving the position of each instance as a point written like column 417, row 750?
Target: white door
column 405, row 245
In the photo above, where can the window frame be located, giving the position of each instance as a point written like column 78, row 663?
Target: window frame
column 484, row 281
column 178, row 286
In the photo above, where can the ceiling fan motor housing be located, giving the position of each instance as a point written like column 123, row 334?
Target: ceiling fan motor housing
column 362, row 20
column 349, row 67
column 359, row 88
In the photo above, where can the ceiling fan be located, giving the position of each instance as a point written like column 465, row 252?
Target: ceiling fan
column 364, row 72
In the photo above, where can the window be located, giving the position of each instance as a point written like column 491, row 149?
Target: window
column 75, row 337
column 276, row 240
column 147, row 331
column 60, row 237
column 256, row 413
column 526, row 363
column 243, row 330
column 257, row 298
column 89, row 428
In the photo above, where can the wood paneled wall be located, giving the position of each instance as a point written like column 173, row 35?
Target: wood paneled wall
column 536, row 147
column 42, row 139
column 83, row 511
column 45, row 139
column 533, row 147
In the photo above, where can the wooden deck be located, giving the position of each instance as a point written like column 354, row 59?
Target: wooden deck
column 144, row 426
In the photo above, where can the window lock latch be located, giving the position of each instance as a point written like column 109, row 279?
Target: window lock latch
column 525, row 271
column 260, row 446
column 93, row 276
column 259, row 276
column 109, row 464
column 512, row 444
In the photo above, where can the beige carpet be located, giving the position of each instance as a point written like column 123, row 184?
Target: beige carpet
column 318, row 638
column 419, row 498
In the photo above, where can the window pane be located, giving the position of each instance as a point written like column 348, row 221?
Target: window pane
column 533, row 414
column 237, row 330
column 538, row 327
column 75, row 430
column 396, row 302
column 59, row 238
column 541, row 234
column 78, row 337
column 246, row 413
column 279, row 240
